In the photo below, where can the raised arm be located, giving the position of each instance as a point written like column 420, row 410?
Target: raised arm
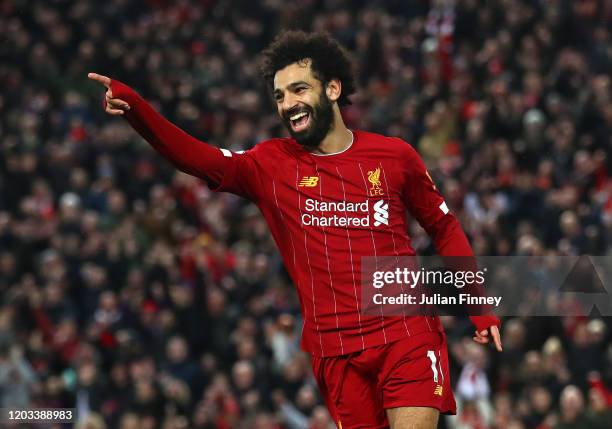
column 187, row 153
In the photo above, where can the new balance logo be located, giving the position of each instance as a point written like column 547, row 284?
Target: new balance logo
column 438, row 390
column 381, row 213
column 309, row 181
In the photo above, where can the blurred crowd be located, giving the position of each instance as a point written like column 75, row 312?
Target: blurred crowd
column 134, row 294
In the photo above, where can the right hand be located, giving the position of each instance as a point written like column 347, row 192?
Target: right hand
column 113, row 106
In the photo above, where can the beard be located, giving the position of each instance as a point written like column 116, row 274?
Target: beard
column 321, row 122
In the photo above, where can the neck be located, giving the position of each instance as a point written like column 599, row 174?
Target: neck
column 338, row 139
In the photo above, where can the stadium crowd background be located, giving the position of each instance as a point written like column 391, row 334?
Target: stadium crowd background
column 130, row 291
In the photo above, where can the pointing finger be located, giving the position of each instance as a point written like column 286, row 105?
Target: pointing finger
column 104, row 80
column 496, row 338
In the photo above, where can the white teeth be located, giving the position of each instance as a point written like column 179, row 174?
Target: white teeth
column 298, row 116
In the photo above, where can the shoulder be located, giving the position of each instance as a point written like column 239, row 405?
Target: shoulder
column 277, row 143
column 271, row 149
column 392, row 145
column 275, row 146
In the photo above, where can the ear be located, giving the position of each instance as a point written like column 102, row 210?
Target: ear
column 333, row 89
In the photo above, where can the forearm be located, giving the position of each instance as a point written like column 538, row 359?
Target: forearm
column 187, row 153
column 453, row 246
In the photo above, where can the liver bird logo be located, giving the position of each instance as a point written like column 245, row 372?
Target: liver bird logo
column 374, row 179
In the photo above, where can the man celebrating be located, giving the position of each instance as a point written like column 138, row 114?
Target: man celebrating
column 331, row 196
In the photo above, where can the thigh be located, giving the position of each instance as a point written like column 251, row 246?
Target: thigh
column 413, row 418
column 415, row 374
column 352, row 397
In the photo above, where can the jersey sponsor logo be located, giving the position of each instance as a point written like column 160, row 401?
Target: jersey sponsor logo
column 381, row 213
column 374, row 179
column 438, row 390
column 309, row 182
column 345, row 213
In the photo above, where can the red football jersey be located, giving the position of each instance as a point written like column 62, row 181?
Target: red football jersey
column 325, row 213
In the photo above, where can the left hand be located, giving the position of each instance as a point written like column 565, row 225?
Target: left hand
column 484, row 337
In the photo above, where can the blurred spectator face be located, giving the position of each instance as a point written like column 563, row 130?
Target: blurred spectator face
column 70, row 207
column 87, row 374
column 533, row 364
column 292, row 371
column 243, row 375
column 216, row 302
column 306, row 398
column 182, row 296
column 66, row 330
column 320, row 419
column 8, row 265
column 208, row 363
column 540, row 400
column 247, row 327
column 572, row 403
column 286, row 323
column 477, row 355
column 78, row 179
column 108, row 301
column 116, row 202
column 129, row 421
column 596, row 330
column 177, row 422
column 89, row 222
column 503, row 404
column 247, row 348
column 581, row 335
column 514, row 334
column 93, row 421
column 145, row 391
column 53, row 294
column 142, row 369
column 177, row 350
column 264, row 421
column 260, row 265
column 54, row 386
column 93, row 276
column 166, row 320
column 148, row 422
column 597, row 401
column 515, row 424
column 135, row 278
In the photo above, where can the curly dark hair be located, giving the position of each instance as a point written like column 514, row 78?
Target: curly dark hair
column 329, row 60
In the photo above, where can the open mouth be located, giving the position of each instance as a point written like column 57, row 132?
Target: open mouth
column 300, row 121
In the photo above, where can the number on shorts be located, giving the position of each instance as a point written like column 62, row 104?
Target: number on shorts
column 432, row 357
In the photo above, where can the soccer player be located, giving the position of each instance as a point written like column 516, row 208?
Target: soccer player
column 373, row 371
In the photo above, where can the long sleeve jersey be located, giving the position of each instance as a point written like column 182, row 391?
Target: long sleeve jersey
column 325, row 213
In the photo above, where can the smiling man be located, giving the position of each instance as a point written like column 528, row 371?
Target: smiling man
column 331, row 196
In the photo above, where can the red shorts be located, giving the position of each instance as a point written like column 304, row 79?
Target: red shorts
column 412, row 372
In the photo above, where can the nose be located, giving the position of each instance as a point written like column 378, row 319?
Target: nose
column 289, row 102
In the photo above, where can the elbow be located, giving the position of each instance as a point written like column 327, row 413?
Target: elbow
column 449, row 238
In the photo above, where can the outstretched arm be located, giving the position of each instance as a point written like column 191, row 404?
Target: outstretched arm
column 187, row 153
column 430, row 209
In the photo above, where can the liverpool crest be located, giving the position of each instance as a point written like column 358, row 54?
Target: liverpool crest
column 374, row 179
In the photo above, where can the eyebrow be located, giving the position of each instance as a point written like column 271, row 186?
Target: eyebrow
column 292, row 86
